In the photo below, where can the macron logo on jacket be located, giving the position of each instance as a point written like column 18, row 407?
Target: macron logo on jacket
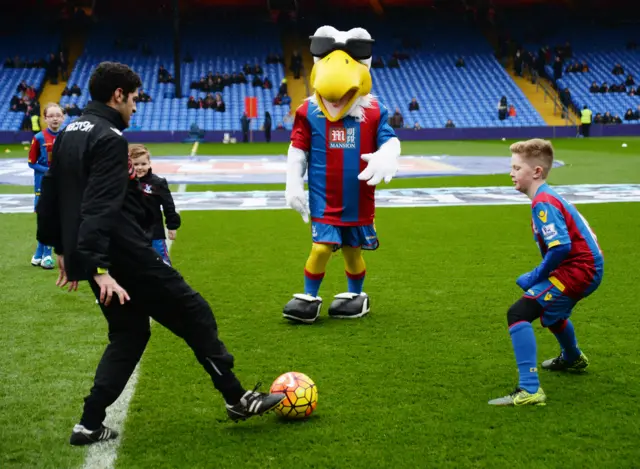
column 82, row 126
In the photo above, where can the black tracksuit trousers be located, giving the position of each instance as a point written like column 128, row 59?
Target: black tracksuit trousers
column 157, row 291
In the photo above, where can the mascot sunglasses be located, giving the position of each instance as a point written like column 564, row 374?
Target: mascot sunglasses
column 359, row 49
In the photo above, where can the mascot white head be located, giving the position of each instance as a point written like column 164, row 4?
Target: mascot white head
column 340, row 75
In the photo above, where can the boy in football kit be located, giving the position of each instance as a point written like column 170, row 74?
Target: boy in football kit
column 157, row 196
column 39, row 161
column 571, row 269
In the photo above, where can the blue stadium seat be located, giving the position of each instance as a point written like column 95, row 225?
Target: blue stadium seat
column 224, row 49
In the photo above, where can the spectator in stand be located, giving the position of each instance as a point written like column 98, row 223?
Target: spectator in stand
column 74, row 90
column 617, row 88
column 267, row 126
column 377, row 63
column 637, row 113
column 244, row 122
column 393, row 63
column 565, row 99
column 192, row 103
column 209, row 102
column 163, row 74
column 567, row 51
column 598, row 119
column 273, row 58
column 618, row 70
column 266, row 84
column 396, row 120
column 219, row 105
column 74, row 111
column 53, row 67
column 296, row 64
column 283, row 89
column 26, row 122
column 450, row 124
column 607, row 119
column 502, row 108
column 257, row 82
column 512, row 110
column 616, row 120
column 585, row 121
column 594, row 88
column 630, row 81
column 30, row 94
column 557, row 68
column 413, row 105
column 460, row 63
column 630, row 115
column 518, row 61
column 143, row 97
column 63, row 64
column 604, row 88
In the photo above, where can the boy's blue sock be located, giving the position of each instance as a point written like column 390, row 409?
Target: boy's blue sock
column 46, row 251
column 39, row 250
column 566, row 336
column 524, row 346
column 312, row 282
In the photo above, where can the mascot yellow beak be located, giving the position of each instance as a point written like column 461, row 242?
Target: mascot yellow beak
column 338, row 81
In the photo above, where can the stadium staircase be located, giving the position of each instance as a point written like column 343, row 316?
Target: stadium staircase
column 298, row 89
column 52, row 93
column 536, row 96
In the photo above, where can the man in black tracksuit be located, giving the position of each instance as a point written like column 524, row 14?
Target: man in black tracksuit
column 91, row 211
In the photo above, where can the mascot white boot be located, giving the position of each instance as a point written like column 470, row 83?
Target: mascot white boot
column 341, row 137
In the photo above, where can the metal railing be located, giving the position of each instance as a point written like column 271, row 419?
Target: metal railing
column 550, row 94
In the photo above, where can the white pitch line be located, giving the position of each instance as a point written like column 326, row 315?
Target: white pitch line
column 104, row 455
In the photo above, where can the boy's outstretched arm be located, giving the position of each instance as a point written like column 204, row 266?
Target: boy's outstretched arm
column 172, row 217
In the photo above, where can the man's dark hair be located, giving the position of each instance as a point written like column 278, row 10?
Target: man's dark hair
column 108, row 77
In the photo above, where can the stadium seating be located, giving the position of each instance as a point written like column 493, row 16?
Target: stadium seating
column 28, row 44
column 9, row 81
column 223, row 49
column 601, row 49
column 468, row 96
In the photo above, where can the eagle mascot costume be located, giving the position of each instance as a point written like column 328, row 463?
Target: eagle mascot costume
column 342, row 138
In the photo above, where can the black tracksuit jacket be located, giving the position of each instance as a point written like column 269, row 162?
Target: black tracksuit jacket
column 92, row 209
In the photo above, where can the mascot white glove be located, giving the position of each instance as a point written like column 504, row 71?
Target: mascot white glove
column 383, row 164
column 294, row 194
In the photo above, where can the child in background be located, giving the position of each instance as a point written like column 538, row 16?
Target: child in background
column 157, row 193
column 39, row 161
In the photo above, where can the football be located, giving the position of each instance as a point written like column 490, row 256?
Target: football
column 301, row 392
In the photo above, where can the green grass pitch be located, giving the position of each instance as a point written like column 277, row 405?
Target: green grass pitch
column 405, row 387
